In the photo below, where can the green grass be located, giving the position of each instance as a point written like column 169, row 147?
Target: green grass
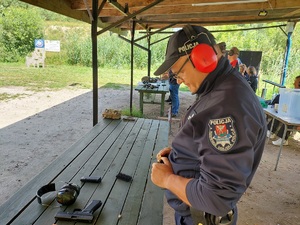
column 135, row 112
column 183, row 87
column 5, row 96
column 57, row 77
column 62, row 76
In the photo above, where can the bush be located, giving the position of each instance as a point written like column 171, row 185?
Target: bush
column 19, row 29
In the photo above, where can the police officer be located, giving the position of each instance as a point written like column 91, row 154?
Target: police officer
column 217, row 150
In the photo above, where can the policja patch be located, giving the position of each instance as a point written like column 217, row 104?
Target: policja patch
column 222, row 134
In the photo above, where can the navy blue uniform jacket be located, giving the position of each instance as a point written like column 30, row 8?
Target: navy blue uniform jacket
column 220, row 142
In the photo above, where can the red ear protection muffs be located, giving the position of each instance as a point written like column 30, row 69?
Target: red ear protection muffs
column 67, row 195
column 203, row 56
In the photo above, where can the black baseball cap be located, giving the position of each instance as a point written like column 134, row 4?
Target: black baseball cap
column 182, row 43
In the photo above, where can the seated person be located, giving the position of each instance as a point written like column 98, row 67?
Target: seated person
column 278, row 128
column 243, row 71
column 253, row 79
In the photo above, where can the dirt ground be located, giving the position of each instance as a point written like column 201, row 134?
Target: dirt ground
column 37, row 127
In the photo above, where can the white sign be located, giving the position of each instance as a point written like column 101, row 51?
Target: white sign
column 52, row 46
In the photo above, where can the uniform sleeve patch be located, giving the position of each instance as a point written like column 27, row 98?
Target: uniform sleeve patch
column 222, row 133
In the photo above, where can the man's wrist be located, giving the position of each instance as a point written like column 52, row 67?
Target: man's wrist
column 169, row 180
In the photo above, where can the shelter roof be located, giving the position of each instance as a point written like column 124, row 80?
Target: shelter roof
column 117, row 15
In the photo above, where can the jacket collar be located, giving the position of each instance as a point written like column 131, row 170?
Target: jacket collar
column 215, row 77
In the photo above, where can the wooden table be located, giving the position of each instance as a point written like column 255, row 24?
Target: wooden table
column 112, row 146
column 292, row 122
column 159, row 88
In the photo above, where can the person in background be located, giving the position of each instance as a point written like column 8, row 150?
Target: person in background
column 243, row 71
column 212, row 160
column 253, row 79
column 222, row 46
column 174, row 97
column 278, row 128
column 233, row 57
column 297, row 82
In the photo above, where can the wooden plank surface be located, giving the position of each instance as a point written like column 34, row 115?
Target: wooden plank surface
column 111, row 147
column 152, row 194
column 27, row 193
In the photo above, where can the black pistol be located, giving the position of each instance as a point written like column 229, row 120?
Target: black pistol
column 85, row 215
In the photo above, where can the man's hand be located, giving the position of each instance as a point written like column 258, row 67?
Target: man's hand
column 165, row 76
column 161, row 172
column 163, row 153
column 162, row 175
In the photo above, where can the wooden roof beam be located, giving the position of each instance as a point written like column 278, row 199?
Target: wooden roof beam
column 201, row 22
column 79, row 5
column 188, row 8
column 215, row 16
column 124, row 10
column 131, row 16
column 63, row 7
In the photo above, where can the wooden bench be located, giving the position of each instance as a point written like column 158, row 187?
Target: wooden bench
column 112, row 146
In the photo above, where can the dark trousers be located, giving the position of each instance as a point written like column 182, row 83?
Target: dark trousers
column 278, row 129
column 174, row 88
column 197, row 217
